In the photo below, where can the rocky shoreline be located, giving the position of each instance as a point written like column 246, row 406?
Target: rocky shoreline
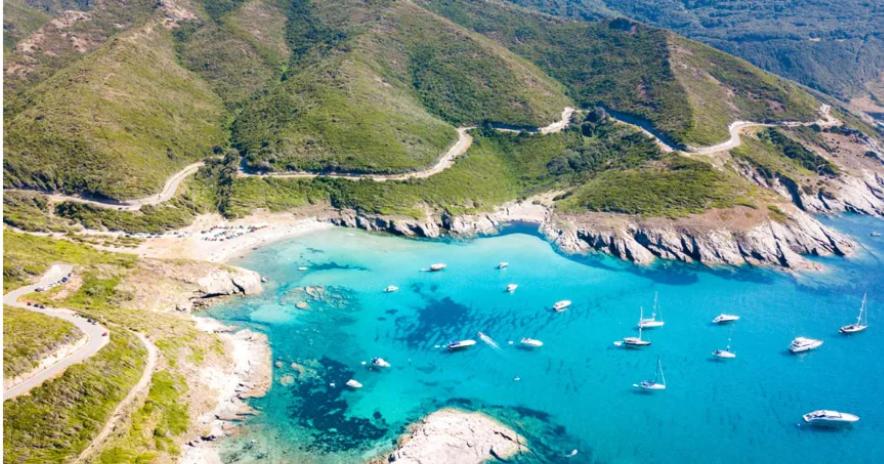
column 452, row 435
column 249, row 376
column 734, row 236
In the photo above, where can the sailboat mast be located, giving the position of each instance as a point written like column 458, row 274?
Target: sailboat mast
column 660, row 372
column 862, row 310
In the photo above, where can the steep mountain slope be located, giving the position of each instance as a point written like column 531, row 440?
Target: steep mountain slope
column 115, row 123
column 835, row 47
column 384, row 94
column 637, row 70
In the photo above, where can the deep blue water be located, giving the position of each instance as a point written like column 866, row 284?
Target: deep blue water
column 576, row 391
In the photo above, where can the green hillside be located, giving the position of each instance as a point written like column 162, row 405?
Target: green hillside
column 385, row 96
column 116, row 123
column 638, row 70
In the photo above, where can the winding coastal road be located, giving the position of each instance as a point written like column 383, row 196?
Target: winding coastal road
column 461, row 146
column 95, row 334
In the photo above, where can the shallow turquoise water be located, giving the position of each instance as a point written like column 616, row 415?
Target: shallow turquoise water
column 575, row 392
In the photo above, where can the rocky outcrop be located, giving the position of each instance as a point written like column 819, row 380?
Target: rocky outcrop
column 862, row 194
column 450, row 435
column 229, row 281
column 734, row 237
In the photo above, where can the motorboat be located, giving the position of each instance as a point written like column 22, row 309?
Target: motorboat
column 561, row 305
column 825, row 417
column 354, row 384
column 530, row 342
column 510, row 288
column 651, row 322
column 436, row 267
column 391, row 289
column 503, row 265
column 460, row 345
column 379, row 363
column 803, row 344
column 658, row 384
column 725, row 318
column 862, row 322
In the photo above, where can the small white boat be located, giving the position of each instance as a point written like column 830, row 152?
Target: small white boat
column 302, row 268
column 725, row 318
column 725, row 353
column 862, row 322
column 503, row 265
column 436, row 267
column 651, row 322
column 354, row 384
column 561, row 305
column 530, row 342
column 380, row 363
column 658, row 384
column 460, row 345
column 391, row 289
column 510, row 288
column 824, row 417
column 803, row 344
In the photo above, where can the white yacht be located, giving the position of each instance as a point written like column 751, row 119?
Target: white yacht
column 503, row 265
column 530, row 342
column 354, row 384
column 460, row 345
column 651, row 322
column 826, row 417
column 802, row 344
column 725, row 353
column 725, row 318
column 561, row 305
column 436, row 267
column 510, row 288
column 658, row 384
column 862, row 322
column 380, row 363
column 391, row 289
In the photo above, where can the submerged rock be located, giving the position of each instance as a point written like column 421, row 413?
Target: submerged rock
column 451, row 435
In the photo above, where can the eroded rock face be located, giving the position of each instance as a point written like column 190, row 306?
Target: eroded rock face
column 451, row 435
column 747, row 236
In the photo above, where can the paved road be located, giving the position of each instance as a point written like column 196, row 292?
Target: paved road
column 94, row 333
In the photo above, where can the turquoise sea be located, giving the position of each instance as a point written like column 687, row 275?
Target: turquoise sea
column 576, row 391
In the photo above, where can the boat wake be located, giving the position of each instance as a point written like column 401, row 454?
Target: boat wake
column 488, row 341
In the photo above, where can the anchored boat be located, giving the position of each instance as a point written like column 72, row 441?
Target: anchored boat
column 726, row 353
column 725, row 318
column 530, row 342
column 460, row 345
column 862, row 322
column 561, row 305
column 436, row 267
column 651, row 322
column 510, row 288
column 803, row 344
column 391, row 288
column 658, row 384
column 829, row 418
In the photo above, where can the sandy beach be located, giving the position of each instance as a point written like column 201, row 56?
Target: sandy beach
column 213, row 238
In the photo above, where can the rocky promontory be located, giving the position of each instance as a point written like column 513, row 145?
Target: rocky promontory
column 451, row 435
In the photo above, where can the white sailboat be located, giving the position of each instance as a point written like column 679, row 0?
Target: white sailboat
column 862, row 321
column 510, row 288
column 726, row 353
column 503, row 265
column 634, row 342
column 651, row 322
column 658, row 384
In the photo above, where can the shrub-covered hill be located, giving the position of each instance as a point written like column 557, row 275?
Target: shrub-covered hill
column 347, row 85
